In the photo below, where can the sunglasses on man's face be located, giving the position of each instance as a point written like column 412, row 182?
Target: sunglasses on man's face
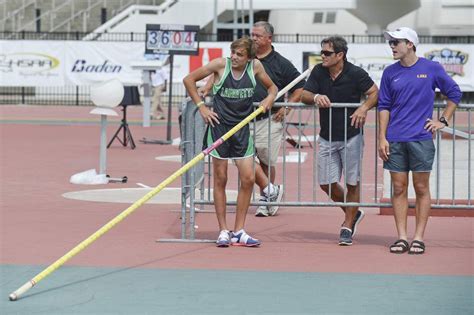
column 327, row 53
column 395, row 42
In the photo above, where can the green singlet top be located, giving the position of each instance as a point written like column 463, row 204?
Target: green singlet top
column 233, row 97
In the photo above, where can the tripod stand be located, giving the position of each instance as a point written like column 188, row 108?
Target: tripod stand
column 127, row 135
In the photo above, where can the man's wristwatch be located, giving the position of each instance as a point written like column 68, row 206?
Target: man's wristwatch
column 444, row 121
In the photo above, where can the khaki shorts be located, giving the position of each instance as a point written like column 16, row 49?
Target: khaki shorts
column 265, row 153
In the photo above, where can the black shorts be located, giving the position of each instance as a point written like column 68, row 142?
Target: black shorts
column 240, row 145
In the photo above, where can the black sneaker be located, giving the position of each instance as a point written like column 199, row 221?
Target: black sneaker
column 345, row 238
column 358, row 217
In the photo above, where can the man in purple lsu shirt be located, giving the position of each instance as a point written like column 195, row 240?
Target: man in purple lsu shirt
column 405, row 107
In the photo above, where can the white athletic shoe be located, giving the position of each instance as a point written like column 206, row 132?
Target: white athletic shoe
column 224, row 239
column 262, row 211
column 243, row 239
column 277, row 196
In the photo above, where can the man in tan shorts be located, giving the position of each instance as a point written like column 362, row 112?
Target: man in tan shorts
column 282, row 72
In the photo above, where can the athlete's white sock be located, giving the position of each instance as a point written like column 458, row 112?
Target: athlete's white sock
column 270, row 187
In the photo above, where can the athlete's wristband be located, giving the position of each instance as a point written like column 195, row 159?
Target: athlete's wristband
column 200, row 104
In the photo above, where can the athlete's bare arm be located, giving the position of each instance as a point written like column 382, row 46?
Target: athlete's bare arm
column 215, row 67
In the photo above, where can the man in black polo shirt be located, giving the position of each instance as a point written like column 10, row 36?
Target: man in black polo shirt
column 282, row 72
column 341, row 141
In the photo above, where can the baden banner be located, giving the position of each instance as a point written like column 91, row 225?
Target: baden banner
column 59, row 63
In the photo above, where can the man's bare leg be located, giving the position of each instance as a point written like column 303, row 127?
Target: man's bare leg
column 261, row 176
column 265, row 170
column 352, row 196
column 337, row 195
column 400, row 204
column 220, row 199
column 421, row 183
column 247, row 181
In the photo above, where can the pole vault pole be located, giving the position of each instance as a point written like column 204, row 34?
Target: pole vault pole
column 109, row 225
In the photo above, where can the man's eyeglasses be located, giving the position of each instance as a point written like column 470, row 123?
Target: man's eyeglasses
column 327, row 53
column 394, row 42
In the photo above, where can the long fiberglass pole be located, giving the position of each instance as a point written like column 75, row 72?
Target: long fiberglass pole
column 109, row 225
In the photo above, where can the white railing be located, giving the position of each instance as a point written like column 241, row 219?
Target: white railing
column 131, row 10
column 51, row 14
column 84, row 12
column 17, row 14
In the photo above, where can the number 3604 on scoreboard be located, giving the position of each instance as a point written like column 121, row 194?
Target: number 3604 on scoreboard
column 172, row 39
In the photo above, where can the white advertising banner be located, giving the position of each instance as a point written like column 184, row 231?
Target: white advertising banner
column 31, row 63
column 453, row 57
column 374, row 58
column 89, row 63
column 57, row 63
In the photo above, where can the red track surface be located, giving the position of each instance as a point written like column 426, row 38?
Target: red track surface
column 38, row 225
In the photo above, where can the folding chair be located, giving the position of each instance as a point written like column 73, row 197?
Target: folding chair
column 299, row 126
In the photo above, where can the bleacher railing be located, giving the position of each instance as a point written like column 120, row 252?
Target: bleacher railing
column 278, row 38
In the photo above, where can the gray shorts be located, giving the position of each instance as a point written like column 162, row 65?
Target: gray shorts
column 415, row 156
column 335, row 157
column 268, row 155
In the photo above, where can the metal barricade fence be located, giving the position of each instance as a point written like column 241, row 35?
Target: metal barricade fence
column 452, row 166
column 192, row 128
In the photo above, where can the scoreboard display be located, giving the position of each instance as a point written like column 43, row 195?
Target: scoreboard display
column 172, row 39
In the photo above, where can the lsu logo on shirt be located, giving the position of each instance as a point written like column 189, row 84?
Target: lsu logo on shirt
column 422, row 76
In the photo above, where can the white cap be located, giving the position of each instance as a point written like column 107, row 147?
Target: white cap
column 403, row 33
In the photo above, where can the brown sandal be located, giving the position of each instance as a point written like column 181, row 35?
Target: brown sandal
column 418, row 245
column 399, row 243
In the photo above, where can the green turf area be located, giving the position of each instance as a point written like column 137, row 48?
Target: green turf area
column 84, row 290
